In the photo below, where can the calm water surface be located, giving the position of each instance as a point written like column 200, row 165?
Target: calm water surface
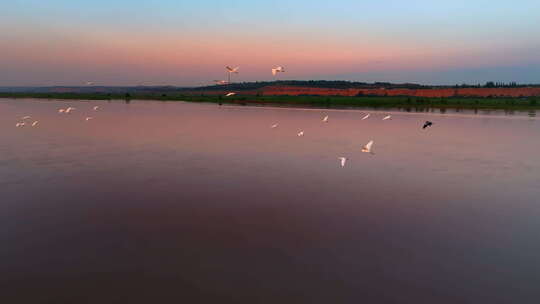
column 154, row 202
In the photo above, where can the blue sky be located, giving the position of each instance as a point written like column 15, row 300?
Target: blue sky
column 186, row 42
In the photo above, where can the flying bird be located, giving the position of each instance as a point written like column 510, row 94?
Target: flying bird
column 325, row 119
column 387, row 117
column 274, row 126
column 343, row 160
column 61, row 110
column 96, row 108
column 20, row 124
column 35, row 123
column 69, row 109
column 301, row 133
column 278, row 69
column 232, row 70
column 221, row 82
column 88, row 118
column 26, row 117
column 427, row 124
column 88, row 83
column 366, row 117
column 367, row 147
column 230, row 94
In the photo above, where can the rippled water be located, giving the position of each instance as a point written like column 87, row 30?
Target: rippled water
column 161, row 202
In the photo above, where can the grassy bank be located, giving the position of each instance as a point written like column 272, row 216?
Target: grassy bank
column 316, row 101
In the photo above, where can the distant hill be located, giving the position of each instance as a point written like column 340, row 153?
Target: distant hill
column 240, row 86
column 300, row 87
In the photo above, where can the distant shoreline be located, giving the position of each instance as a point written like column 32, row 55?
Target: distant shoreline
column 412, row 102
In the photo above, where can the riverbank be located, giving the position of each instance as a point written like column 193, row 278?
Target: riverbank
column 318, row 101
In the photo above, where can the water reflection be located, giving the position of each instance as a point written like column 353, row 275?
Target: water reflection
column 200, row 203
column 509, row 112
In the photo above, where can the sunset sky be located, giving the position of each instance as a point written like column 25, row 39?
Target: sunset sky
column 184, row 43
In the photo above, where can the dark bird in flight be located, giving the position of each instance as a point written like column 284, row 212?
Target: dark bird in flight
column 427, row 124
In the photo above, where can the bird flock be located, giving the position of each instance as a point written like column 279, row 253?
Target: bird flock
column 367, row 148
column 23, row 120
column 235, row 70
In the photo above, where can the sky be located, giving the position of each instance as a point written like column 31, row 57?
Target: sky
column 188, row 43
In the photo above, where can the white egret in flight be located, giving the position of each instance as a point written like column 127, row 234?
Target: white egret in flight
column 387, row 117
column 230, row 94
column 35, row 123
column 88, row 118
column 278, row 69
column 96, row 108
column 367, row 147
column 343, row 160
column 325, row 119
column 366, row 117
column 274, row 126
column 301, row 133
